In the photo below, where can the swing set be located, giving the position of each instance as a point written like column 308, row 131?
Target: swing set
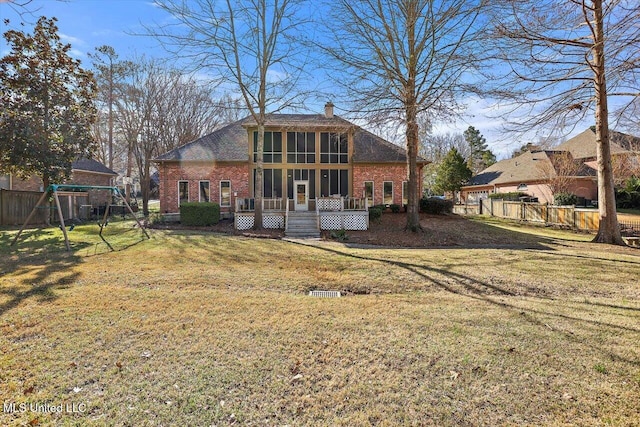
column 53, row 189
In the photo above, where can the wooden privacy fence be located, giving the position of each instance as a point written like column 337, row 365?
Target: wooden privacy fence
column 567, row 216
column 15, row 207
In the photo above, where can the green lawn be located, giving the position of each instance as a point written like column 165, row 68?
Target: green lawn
column 203, row 329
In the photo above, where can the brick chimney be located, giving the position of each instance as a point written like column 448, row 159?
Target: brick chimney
column 328, row 110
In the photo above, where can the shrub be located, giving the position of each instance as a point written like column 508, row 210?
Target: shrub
column 199, row 214
column 513, row 196
column 628, row 197
column 155, row 218
column 435, row 206
column 394, row 208
column 375, row 213
column 340, row 235
column 565, row 199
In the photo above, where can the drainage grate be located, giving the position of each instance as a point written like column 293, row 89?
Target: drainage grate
column 325, row 294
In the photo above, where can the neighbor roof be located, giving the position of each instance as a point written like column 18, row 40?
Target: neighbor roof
column 528, row 166
column 537, row 165
column 90, row 165
column 583, row 145
column 230, row 143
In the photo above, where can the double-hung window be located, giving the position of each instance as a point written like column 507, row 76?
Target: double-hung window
column 183, row 192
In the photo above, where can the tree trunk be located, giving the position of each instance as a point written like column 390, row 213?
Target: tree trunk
column 145, row 179
column 127, row 186
column 413, row 206
column 257, row 193
column 608, row 230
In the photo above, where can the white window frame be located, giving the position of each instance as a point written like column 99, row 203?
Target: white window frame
column 220, row 187
column 188, row 195
column 200, row 190
column 8, row 176
column 373, row 192
column 392, row 192
column 405, row 196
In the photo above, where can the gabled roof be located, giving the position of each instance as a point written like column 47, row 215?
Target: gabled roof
column 538, row 165
column 230, row 143
column 583, row 145
column 528, row 166
column 90, row 165
column 227, row 144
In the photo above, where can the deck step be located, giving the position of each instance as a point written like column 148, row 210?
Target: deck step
column 302, row 225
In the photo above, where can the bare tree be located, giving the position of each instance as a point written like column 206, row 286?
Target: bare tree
column 565, row 59
column 252, row 44
column 401, row 59
column 158, row 110
column 561, row 171
column 109, row 73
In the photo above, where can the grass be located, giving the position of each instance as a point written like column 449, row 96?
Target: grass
column 629, row 211
column 201, row 329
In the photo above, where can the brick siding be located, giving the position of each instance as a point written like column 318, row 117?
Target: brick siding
column 96, row 197
column 172, row 172
column 379, row 173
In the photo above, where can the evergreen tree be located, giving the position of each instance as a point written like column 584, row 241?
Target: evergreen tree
column 481, row 157
column 453, row 173
column 47, row 105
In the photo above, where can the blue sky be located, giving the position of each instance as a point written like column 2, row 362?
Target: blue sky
column 87, row 24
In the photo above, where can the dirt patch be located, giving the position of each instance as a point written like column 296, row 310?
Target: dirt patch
column 437, row 230
column 224, row 226
column 389, row 230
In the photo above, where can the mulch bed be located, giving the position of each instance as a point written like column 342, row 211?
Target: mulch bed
column 438, row 230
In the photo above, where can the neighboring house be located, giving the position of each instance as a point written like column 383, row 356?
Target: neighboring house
column 83, row 172
column 569, row 167
column 312, row 155
column 18, row 203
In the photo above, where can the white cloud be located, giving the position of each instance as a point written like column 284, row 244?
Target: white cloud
column 76, row 53
column 74, row 41
column 491, row 119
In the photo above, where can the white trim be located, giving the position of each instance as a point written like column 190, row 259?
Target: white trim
column 200, row 190
column 188, row 195
column 392, row 193
column 220, row 192
column 301, row 206
column 96, row 172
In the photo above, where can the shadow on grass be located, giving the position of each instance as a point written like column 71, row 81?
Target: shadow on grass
column 42, row 272
column 39, row 264
column 469, row 287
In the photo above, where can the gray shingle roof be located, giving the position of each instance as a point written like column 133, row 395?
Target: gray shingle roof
column 230, row 143
column 583, row 145
column 536, row 165
column 90, row 165
column 529, row 166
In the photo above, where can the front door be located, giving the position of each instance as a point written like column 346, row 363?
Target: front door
column 301, row 195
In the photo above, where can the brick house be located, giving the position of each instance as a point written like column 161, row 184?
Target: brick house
column 83, row 172
column 307, row 157
column 571, row 165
